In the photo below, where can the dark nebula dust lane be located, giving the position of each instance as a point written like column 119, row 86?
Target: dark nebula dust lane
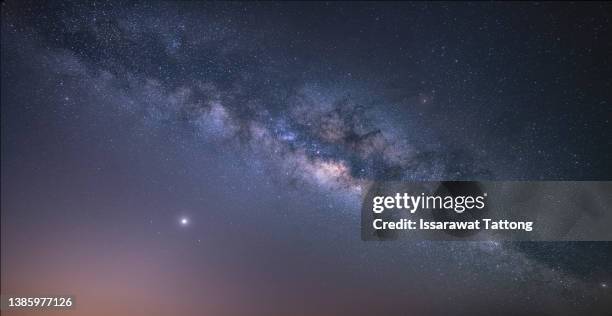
column 211, row 157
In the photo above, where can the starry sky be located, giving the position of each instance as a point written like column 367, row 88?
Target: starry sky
column 187, row 158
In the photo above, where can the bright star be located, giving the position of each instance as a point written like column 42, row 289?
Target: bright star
column 184, row 221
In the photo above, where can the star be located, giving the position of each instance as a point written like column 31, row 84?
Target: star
column 184, row 221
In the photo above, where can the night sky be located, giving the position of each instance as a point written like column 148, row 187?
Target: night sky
column 210, row 158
